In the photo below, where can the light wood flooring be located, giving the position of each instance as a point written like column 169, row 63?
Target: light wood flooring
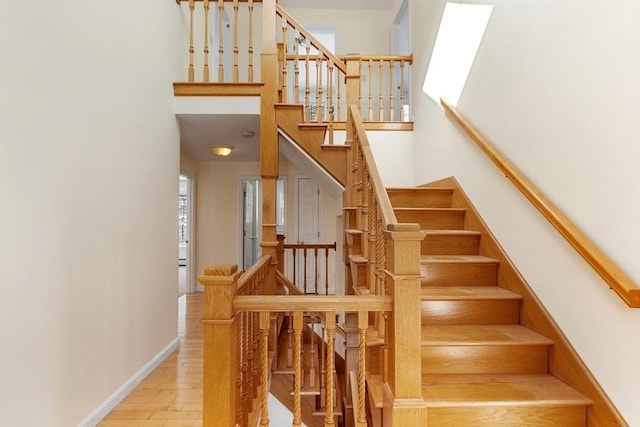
column 172, row 394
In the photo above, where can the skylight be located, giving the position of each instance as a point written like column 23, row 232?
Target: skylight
column 459, row 36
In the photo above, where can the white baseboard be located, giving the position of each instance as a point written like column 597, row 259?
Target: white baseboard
column 107, row 406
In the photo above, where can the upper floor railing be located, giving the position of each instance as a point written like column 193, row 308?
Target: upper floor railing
column 603, row 265
column 223, row 40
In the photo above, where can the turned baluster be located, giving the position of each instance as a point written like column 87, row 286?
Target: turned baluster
column 330, row 67
column 380, row 97
column 402, row 117
column 221, row 41
column 285, row 63
column 191, row 70
column 235, row 41
column 363, row 319
column 312, row 366
column 297, row 365
column 264, row 368
column 205, row 67
column 326, row 271
column 319, row 88
column 307, row 89
column 296, row 68
column 250, row 43
column 315, row 271
column 331, row 326
column 290, row 342
column 392, row 115
column 370, row 90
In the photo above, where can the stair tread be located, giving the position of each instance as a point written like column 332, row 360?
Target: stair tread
column 455, row 293
column 441, row 390
column 409, row 209
column 477, row 259
column 420, row 188
column 473, row 335
column 453, row 232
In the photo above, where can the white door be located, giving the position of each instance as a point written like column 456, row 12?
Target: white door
column 308, row 232
column 251, row 232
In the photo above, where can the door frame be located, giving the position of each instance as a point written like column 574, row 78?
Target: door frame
column 191, row 252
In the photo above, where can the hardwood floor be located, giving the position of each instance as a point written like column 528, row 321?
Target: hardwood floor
column 172, row 394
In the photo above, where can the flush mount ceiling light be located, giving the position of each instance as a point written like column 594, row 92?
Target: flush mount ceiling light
column 221, row 150
column 247, row 133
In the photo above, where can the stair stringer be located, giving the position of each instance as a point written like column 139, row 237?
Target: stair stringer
column 310, row 139
column 564, row 361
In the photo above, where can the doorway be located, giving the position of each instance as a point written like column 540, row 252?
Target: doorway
column 251, row 222
column 185, row 235
column 308, row 230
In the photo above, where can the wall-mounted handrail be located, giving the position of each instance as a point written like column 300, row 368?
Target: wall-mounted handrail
column 601, row 263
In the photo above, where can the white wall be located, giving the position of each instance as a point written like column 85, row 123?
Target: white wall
column 555, row 86
column 89, row 146
column 370, row 39
column 219, row 212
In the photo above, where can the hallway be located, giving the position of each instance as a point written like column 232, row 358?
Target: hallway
column 172, row 394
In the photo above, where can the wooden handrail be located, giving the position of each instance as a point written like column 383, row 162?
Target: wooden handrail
column 601, row 263
column 314, row 42
column 286, row 303
column 293, row 289
column 252, row 271
column 388, row 215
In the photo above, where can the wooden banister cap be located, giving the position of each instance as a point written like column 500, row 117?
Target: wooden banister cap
column 221, row 270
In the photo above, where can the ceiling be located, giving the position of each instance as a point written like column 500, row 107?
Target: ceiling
column 199, row 132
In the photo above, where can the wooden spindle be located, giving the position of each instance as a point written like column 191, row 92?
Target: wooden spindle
column 331, row 327
column 363, row 319
column 285, row 63
column 370, row 90
column 191, row 71
column 323, row 369
column 392, row 115
column 304, row 279
column 312, row 366
column 326, row 271
column 250, row 48
column 220, row 42
column 244, row 367
column 307, row 89
column 296, row 69
column 235, row 41
column 297, row 365
column 339, row 100
column 380, row 96
column 290, row 342
column 315, row 271
column 402, row 90
column 205, row 67
column 318, row 89
column 239, row 372
column 264, row 367
column 330, row 67
column 385, row 348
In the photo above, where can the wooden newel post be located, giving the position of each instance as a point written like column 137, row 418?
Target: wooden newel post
column 406, row 405
column 220, row 325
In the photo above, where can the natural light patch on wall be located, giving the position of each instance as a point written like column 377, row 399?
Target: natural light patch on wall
column 459, row 36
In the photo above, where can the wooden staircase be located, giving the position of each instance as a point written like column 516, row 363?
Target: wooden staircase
column 310, row 137
column 480, row 367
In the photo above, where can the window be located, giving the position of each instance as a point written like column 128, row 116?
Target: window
column 459, row 36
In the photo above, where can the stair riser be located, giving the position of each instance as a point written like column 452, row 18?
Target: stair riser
column 433, row 219
column 508, row 416
column 450, row 245
column 470, row 312
column 459, row 274
column 415, row 198
column 354, row 243
column 484, row 359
